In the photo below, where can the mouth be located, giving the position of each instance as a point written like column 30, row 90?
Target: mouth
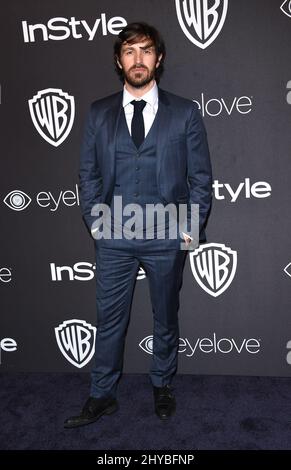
column 139, row 69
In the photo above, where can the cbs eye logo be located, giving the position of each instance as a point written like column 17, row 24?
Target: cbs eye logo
column 17, row 200
column 288, row 86
column 287, row 269
column 146, row 344
column 286, row 8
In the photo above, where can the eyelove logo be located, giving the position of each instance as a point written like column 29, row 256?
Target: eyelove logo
column 66, row 28
column 5, row 275
column 18, row 200
column 286, row 7
column 7, row 345
column 52, row 112
column 288, row 96
column 214, row 107
column 287, row 269
column 201, row 20
column 207, row 345
column 288, row 357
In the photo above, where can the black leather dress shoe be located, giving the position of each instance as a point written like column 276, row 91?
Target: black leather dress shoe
column 93, row 409
column 165, row 403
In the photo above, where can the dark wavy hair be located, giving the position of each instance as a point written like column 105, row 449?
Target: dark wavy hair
column 133, row 33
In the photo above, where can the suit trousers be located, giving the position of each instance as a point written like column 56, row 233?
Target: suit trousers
column 117, row 264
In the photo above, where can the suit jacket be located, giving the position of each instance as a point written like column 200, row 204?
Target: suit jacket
column 183, row 168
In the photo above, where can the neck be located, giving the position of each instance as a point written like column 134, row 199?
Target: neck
column 138, row 92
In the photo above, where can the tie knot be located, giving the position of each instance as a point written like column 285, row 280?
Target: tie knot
column 138, row 105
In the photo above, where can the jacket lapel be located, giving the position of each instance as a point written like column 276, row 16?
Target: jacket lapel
column 165, row 116
column 113, row 117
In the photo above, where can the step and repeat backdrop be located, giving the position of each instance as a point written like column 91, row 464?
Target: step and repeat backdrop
column 232, row 58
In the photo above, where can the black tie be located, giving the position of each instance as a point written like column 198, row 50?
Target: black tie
column 137, row 123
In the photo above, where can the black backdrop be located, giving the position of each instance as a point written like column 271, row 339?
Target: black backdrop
column 235, row 313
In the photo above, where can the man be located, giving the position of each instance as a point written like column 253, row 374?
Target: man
column 146, row 146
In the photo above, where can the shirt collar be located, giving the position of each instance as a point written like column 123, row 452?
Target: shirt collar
column 150, row 97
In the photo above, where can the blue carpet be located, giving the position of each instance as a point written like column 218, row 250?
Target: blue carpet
column 213, row 412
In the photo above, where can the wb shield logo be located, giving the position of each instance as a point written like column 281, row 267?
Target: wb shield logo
column 213, row 266
column 52, row 112
column 76, row 340
column 201, row 20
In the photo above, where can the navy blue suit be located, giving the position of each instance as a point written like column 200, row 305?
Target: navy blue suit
column 171, row 166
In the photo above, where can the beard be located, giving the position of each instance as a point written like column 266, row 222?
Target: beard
column 139, row 79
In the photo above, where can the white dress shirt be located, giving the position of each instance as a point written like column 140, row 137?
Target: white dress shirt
column 150, row 110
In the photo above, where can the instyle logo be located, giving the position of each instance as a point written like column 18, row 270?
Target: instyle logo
column 244, row 190
column 52, row 112
column 288, row 96
column 209, row 345
column 76, row 340
column 65, row 28
column 214, row 107
column 81, row 271
column 286, row 7
column 213, row 266
column 7, row 345
column 201, row 20
column 18, row 200
column 5, row 275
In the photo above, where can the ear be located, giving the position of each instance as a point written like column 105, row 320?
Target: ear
column 159, row 60
column 118, row 63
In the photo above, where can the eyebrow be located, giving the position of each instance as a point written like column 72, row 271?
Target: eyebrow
column 147, row 46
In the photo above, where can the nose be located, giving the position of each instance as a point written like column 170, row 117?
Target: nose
column 139, row 57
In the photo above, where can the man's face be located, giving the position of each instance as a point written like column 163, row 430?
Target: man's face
column 139, row 62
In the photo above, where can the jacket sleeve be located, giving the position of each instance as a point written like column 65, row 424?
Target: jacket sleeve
column 199, row 171
column 90, row 178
